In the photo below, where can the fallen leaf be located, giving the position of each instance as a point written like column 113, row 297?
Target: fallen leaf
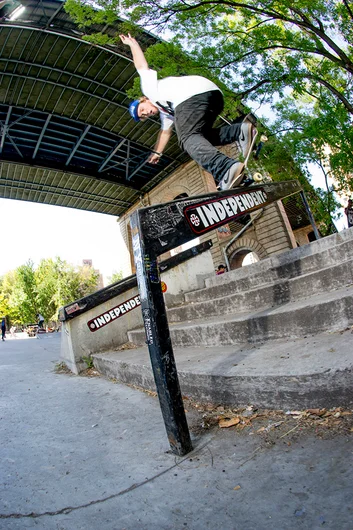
column 229, row 422
column 317, row 412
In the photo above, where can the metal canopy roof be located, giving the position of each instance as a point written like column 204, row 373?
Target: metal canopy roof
column 66, row 136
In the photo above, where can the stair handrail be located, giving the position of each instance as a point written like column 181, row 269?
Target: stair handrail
column 238, row 234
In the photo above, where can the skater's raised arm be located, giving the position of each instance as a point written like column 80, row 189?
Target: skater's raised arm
column 137, row 53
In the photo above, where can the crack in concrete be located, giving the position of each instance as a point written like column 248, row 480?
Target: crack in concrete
column 69, row 509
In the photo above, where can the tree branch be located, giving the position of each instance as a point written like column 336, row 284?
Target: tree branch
column 348, row 8
column 285, row 130
column 302, row 22
column 315, row 51
column 334, row 91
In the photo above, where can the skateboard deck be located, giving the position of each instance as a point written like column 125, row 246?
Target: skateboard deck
column 242, row 178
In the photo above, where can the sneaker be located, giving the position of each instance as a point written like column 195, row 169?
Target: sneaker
column 246, row 136
column 233, row 176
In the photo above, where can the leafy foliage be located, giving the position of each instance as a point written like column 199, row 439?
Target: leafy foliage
column 264, row 50
column 27, row 291
column 115, row 277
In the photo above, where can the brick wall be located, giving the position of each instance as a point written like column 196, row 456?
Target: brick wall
column 273, row 231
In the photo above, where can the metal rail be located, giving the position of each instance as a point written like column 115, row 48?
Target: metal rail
column 157, row 229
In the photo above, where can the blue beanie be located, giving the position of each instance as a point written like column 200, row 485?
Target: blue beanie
column 133, row 109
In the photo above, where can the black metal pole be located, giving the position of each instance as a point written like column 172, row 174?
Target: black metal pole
column 159, row 343
column 310, row 215
column 161, row 227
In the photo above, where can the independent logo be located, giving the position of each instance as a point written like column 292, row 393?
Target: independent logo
column 195, row 220
column 204, row 216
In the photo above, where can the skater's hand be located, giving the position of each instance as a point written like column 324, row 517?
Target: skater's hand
column 137, row 53
column 128, row 40
column 154, row 158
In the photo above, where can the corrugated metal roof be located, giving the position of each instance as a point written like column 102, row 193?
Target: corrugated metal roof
column 66, row 134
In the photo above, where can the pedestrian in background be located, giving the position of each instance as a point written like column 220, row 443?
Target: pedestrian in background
column 40, row 320
column 221, row 269
column 3, row 329
column 349, row 213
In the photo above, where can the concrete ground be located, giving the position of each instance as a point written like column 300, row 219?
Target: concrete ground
column 88, row 453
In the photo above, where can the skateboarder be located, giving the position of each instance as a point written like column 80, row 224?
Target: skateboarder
column 192, row 103
column 40, row 320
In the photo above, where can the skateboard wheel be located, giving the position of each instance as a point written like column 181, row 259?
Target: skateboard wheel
column 257, row 177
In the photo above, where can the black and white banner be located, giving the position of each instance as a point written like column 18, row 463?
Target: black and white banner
column 207, row 215
column 116, row 312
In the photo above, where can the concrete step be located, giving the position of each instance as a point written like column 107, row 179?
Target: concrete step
column 288, row 265
column 327, row 311
column 309, row 372
column 269, row 295
column 326, row 246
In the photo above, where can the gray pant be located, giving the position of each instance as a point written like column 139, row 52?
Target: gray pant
column 194, row 119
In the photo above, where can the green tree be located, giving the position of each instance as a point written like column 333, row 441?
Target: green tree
column 115, row 277
column 59, row 283
column 21, row 291
column 87, row 281
column 262, row 50
column 262, row 45
column 26, row 291
column 4, row 306
column 6, row 287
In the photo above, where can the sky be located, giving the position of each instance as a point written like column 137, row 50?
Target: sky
column 36, row 231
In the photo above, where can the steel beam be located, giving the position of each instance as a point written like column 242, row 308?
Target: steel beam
column 112, row 153
column 64, row 192
column 127, row 161
column 61, row 85
column 41, row 135
column 62, row 35
column 129, row 177
column 78, row 143
column 53, row 16
column 5, row 129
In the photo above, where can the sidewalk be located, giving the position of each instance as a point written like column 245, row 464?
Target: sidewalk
column 88, row 453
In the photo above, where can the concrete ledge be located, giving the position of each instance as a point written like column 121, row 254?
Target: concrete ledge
column 315, row 371
column 325, row 252
column 271, row 295
column 328, row 311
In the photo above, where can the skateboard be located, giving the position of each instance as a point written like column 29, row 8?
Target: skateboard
column 246, row 178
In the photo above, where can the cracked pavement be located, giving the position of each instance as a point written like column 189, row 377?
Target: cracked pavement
column 87, row 453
